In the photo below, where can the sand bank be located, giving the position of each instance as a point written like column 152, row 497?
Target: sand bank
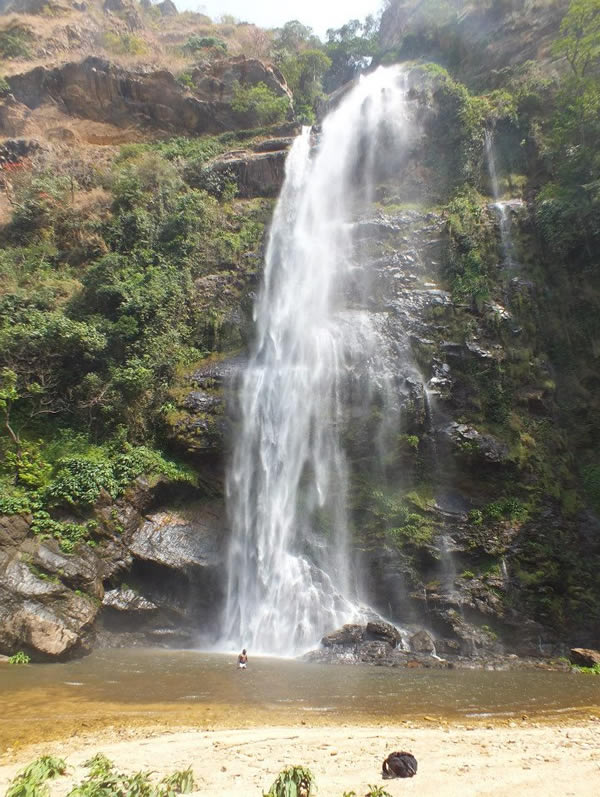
column 453, row 760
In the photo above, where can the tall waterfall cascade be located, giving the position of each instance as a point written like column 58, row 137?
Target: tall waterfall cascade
column 290, row 576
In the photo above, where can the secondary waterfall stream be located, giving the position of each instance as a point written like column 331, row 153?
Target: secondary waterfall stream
column 290, row 575
column 502, row 207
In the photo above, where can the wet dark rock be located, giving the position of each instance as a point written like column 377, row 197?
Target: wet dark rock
column 202, row 401
column 198, row 426
column 374, row 651
column 422, row 642
column 348, row 634
column 378, row 629
column 471, row 442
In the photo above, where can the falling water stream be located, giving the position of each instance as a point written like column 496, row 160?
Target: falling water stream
column 502, row 207
column 290, row 575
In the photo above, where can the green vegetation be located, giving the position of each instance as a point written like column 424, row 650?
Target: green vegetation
column 124, row 43
column 292, row 782
column 595, row 670
column 202, row 44
column 258, row 104
column 377, row 791
column 468, row 257
column 392, row 514
column 31, row 782
column 304, row 75
column 98, row 314
column 103, row 780
column 19, row 658
column 16, row 40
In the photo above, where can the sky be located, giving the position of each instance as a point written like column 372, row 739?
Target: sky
column 319, row 14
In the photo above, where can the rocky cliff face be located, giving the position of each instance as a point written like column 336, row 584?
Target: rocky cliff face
column 476, row 40
column 154, row 577
column 98, row 90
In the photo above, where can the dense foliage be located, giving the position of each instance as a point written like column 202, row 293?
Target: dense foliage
column 98, row 310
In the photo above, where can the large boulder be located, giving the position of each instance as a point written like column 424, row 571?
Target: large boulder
column 254, row 174
column 39, row 613
column 349, row 634
column 585, row 657
column 386, row 632
column 422, row 642
column 174, row 541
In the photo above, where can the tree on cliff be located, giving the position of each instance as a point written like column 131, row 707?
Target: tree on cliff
column 579, row 40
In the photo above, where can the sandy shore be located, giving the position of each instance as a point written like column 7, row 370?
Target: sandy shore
column 453, row 760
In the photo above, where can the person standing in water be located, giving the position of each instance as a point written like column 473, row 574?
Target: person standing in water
column 242, row 660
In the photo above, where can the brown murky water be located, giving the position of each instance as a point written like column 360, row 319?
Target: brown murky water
column 129, row 688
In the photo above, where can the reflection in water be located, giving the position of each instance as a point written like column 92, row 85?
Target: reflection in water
column 161, row 683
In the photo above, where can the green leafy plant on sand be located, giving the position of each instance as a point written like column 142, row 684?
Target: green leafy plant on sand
column 104, row 781
column 19, row 658
column 292, row 782
column 31, row 782
column 377, row 791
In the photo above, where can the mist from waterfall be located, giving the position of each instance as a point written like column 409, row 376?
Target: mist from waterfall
column 290, row 576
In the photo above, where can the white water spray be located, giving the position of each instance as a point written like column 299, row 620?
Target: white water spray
column 290, row 578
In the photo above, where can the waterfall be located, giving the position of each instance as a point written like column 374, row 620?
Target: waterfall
column 500, row 206
column 290, row 577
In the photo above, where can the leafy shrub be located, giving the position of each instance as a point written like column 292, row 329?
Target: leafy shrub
column 197, row 44
column 292, row 782
column 19, row 658
column 393, row 516
column 510, row 508
column 31, row 782
column 4, row 87
column 79, row 482
column 186, row 80
column 15, row 41
column 259, row 104
column 15, row 504
column 124, row 43
column 104, row 781
column 377, row 791
column 595, row 670
column 475, row 517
